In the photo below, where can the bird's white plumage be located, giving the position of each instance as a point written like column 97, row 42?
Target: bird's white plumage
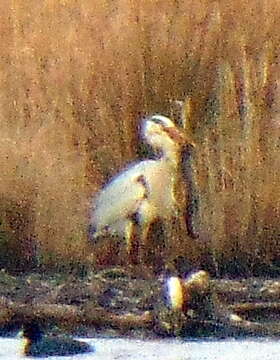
column 118, row 200
column 175, row 293
column 124, row 195
column 145, row 188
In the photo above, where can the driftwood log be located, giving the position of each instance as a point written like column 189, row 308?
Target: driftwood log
column 70, row 316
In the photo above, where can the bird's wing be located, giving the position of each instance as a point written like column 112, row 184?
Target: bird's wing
column 121, row 197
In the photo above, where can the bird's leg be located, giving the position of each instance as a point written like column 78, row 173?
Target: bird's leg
column 146, row 269
column 143, row 246
column 131, row 241
column 145, row 217
column 136, row 233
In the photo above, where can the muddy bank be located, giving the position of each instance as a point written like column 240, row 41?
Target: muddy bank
column 112, row 302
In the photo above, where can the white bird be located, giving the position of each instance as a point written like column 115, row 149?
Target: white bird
column 145, row 191
column 176, row 293
column 181, row 294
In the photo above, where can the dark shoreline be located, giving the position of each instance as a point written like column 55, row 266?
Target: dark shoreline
column 123, row 302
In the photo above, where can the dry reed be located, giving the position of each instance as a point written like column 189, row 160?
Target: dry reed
column 78, row 76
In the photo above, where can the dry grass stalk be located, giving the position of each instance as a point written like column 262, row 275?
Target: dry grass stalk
column 77, row 79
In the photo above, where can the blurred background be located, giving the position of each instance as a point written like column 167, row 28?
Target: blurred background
column 76, row 79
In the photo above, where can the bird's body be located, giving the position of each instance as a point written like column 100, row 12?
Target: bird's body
column 145, row 191
column 125, row 194
column 176, row 293
column 55, row 346
column 36, row 344
column 189, row 293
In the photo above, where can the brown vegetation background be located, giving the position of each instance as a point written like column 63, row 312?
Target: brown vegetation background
column 76, row 77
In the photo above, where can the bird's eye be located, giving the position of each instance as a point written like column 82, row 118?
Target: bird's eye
column 162, row 120
column 158, row 121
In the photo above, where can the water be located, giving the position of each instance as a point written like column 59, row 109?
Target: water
column 127, row 349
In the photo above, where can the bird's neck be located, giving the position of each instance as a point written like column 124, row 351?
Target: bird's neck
column 172, row 156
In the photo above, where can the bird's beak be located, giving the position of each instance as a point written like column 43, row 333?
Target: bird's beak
column 180, row 137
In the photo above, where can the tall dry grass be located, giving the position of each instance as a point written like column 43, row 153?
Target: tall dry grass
column 78, row 76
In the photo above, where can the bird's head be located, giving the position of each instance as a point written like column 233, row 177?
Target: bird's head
column 162, row 134
column 198, row 282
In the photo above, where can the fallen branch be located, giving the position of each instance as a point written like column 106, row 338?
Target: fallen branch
column 247, row 307
column 69, row 316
